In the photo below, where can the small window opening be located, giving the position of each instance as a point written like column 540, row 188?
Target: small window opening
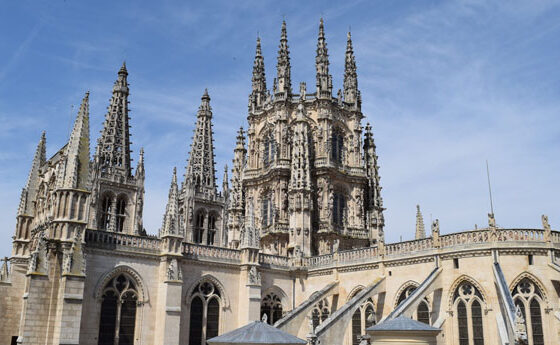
column 456, row 263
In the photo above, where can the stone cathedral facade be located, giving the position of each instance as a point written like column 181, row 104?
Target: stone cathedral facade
column 296, row 234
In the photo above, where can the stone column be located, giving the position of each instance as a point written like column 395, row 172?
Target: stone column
column 170, row 292
column 250, row 288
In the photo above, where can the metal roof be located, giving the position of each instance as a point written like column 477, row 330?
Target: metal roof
column 257, row 332
column 403, row 323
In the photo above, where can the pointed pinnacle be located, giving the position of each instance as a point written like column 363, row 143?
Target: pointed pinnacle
column 321, row 29
column 259, row 51
column 284, row 34
column 205, row 95
column 174, row 178
column 123, row 69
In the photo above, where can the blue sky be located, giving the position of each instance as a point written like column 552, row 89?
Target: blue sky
column 445, row 84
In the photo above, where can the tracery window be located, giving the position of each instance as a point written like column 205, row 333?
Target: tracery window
column 467, row 302
column 320, row 312
column 422, row 313
column 337, row 146
column 269, row 153
column 121, row 213
column 271, row 305
column 118, row 312
column 339, row 205
column 362, row 319
column 204, row 313
column 106, row 209
column 528, row 297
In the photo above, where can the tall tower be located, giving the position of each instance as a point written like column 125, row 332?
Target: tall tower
column 236, row 197
column 117, row 194
column 313, row 186
column 201, row 208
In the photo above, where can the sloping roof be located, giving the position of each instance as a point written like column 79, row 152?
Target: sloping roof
column 403, row 323
column 257, row 332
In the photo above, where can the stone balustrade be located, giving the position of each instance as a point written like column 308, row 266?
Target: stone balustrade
column 274, row 260
column 115, row 240
column 210, row 253
column 425, row 246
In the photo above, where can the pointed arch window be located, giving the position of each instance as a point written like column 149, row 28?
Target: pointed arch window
column 271, row 305
column 211, row 229
column 339, row 206
column 266, row 210
column 467, row 302
column 269, row 153
column 118, row 312
column 337, row 146
column 120, row 214
column 529, row 298
column 204, row 313
column 362, row 319
column 422, row 313
column 320, row 312
column 106, row 210
column 198, row 227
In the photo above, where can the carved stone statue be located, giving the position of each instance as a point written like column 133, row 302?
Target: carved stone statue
column 491, row 220
column 254, row 276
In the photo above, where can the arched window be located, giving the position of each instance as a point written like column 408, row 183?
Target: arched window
column 118, row 312
column 266, row 210
column 528, row 297
column 106, row 209
column 320, row 312
column 211, row 229
column 271, row 305
column 204, row 313
column 422, row 313
column 121, row 213
column 198, row 227
column 339, row 205
column 467, row 301
column 73, row 206
column 362, row 319
column 269, row 153
column 337, row 146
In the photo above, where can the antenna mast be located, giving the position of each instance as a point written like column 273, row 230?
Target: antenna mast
column 489, row 188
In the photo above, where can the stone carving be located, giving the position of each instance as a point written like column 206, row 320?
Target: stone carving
column 254, row 276
column 4, row 272
column 520, row 327
column 174, row 270
column 491, row 221
column 38, row 262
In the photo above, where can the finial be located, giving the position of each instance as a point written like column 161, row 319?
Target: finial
column 205, row 94
column 174, row 178
column 123, row 69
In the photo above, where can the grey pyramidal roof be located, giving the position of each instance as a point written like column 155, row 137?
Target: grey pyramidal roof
column 402, row 323
column 257, row 332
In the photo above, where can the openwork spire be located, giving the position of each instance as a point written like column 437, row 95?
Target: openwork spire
column 374, row 201
column 29, row 192
column 324, row 80
column 239, row 154
column 258, row 94
column 113, row 147
column 77, row 165
column 200, row 169
column 170, row 225
column 420, row 230
column 283, row 84
column 351, row 93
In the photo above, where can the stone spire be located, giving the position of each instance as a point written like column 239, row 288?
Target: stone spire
column 29, row 192
column 420, row 230
column 374, row 202
column 170, row 225
column 283, row 84
column 113, row 147
column 258, row 94
column 235, row 212
column 200, row 169
column 225, row 182
column 77, row 165
column 324, row 79
column 140, row 171
column 351, row 93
